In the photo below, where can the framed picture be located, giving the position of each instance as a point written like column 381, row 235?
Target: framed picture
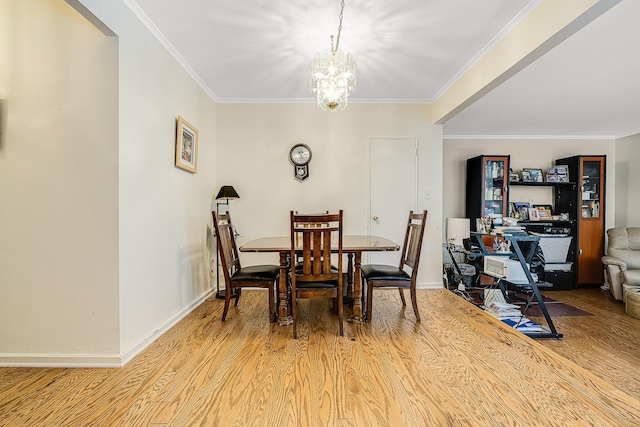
column 543, row 207
column 526, row 176
column 514, row 177
column 522, row 211
column 536, row 175
column 544, row 214
column 533, row 214
column 186, row 146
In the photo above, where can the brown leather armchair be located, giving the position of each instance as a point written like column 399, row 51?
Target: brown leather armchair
column 622, row 262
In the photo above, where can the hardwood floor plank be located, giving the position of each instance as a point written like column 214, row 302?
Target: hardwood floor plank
column 459, row 366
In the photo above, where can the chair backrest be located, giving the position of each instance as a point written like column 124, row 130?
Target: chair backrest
column 314, row 237
column 624, row 243
column 412, row 245
column 227, row 249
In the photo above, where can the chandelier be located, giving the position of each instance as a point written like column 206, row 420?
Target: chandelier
column 332, row 75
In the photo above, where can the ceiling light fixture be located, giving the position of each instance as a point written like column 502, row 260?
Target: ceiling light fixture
column 333, row 75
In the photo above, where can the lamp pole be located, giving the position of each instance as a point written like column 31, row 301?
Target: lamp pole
column 226, row 193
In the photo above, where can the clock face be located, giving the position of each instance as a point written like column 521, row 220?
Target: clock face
column 300, row 154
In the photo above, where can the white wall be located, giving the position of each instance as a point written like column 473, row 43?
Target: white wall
column 58, row 187
column 253, row 155
column 627, row 179
column 525, row 153
column 164, row 211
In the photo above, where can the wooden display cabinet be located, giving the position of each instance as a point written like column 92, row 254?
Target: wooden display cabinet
column 585, row 204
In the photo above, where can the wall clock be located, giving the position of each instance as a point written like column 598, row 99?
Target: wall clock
column 300, row 156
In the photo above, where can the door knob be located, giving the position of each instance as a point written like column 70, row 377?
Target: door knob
column 375, row 217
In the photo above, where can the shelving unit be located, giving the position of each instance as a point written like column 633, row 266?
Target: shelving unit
column 585, row 203
column 561, row 279
column 529, row 285
column 487, row 188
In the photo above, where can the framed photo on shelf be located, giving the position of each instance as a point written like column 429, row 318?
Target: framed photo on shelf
column 186, row 146
column 521, row 211
column 536, row 175
column 534, row 214
column 547, row 207
column 526, row 176
column 514, row 177
column 544, row 214
column 560, row 172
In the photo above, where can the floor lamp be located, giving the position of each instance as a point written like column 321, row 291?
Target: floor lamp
column 226, row 193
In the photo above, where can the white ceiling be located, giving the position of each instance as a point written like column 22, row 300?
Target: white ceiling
column 411, row 51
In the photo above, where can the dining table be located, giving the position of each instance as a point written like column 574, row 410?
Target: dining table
column 352, row 245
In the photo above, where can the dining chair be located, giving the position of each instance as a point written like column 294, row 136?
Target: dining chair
column 238, row 277
column 315, row 237
column 387, row 276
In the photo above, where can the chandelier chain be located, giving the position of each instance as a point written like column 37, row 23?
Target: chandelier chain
column 339, row 30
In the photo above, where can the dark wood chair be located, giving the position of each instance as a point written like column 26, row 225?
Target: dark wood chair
column 387, row 276
column 315, row 237
column 237, row 277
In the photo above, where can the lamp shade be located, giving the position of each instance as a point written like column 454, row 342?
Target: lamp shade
column 458, row 229
column 227, row 192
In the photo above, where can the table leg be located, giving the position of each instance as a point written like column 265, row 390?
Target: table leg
column 347, row 300
column 357, row 290
column 284, row 311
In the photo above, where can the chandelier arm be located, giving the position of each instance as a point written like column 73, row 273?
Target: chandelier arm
column 339, row 28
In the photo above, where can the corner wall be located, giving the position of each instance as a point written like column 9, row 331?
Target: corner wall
column 627, row 179
column 164, row 211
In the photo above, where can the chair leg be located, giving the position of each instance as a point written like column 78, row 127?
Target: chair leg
column 227, row 301
column 414, row 302
column 272, row 307
column 294, row 316
column 404, row 302
column 368, row 314
column 340, row 311
column 238, row 292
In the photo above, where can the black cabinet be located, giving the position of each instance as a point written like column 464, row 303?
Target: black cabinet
column 487, row 189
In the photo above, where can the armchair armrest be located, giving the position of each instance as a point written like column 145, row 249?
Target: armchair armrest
column 609, row 260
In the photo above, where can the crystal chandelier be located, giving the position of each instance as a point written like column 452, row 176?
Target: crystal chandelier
column 332, row 75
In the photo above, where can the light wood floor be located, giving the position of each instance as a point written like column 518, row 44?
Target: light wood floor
column 458, row 366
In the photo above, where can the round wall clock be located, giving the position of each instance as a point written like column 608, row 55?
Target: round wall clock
column 300, row 156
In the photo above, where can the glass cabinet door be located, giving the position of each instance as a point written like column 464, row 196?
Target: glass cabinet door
column 495, row 197
column 591, row 187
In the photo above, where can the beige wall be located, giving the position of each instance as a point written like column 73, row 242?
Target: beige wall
column 254, row 143
column 627, row 179
column 58, row 186
column 525, row 153
column 104, row 243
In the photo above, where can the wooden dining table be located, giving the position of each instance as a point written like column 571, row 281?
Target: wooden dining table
column 352, row 245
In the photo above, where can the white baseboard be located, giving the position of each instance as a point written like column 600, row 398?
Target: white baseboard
column 126, row 358
column 45, row 360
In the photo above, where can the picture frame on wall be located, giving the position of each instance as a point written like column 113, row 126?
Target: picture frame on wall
column 186, row 146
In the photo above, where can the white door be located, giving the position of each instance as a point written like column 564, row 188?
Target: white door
column 393, row 192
